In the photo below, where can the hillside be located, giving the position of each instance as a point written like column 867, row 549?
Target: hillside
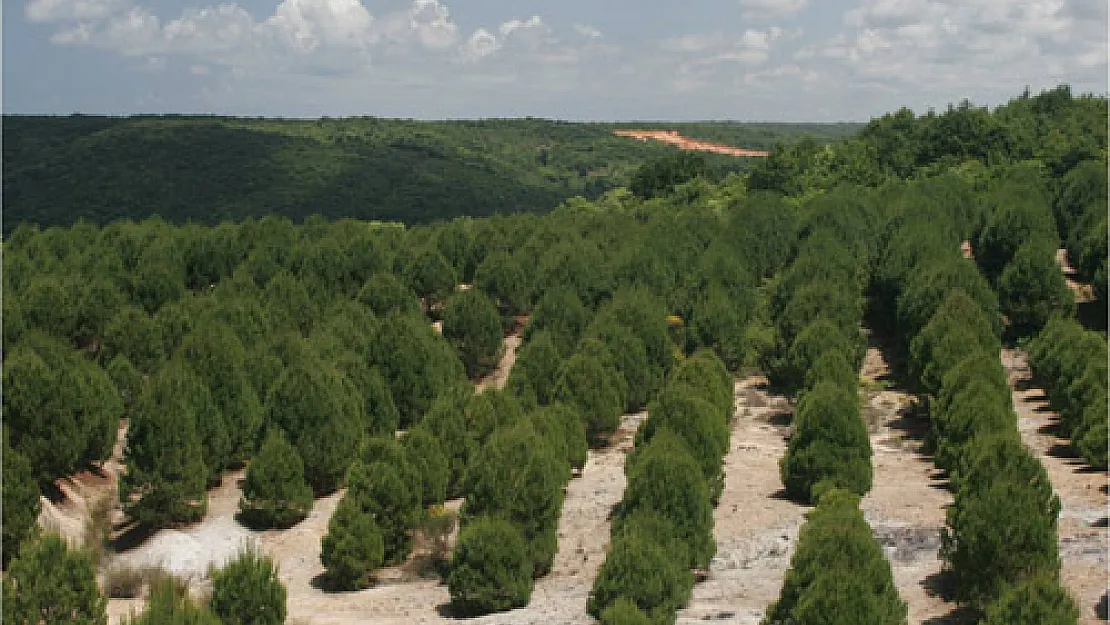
column 207, row 169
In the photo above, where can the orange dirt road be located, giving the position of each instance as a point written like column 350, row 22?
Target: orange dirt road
column 685, row 143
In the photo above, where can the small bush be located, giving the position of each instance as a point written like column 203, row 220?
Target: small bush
column 491, row 570
column 275, row 493
column 353, row 547
column 248, row 592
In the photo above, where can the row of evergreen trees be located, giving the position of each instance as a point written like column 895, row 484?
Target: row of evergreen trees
column 817, row 307
column 663, row 526
column 1070, row 363
column 999, row 544
column 838, row 573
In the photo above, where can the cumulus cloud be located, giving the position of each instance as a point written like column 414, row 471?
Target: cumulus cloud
column 54, row 10
column 755, row 9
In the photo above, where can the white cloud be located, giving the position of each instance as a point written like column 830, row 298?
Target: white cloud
column 56, row 10
column 755, row 9
column 587, row 31
column 481, row 43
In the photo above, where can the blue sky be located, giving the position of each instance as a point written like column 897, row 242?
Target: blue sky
column 751, row 60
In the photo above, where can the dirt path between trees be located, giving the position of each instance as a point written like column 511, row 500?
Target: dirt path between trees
column 906, row 505
column 1082, row 492
column 401, row 596
column 685, row 143
column 500, row 376
column 755, row 526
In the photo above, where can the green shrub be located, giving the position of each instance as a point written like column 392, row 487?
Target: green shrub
column 424, row 454
column 275, row 493
column 698, row 422
column 247, row 591
column 597, row 391
column 389, row 496
column 491, row 570
column 519, row 476
column 1032, row 288
column 536, row 371
column 21, row 503
column 46, row 584
column 664, row 477
column 829, row 444
column 169, row 604
column 997, row 535
column 1038, row 600
column 644, row 574
column 353, row 548
column 624, row 612
column 561, row 426
column 472, row 326
column 838, row 571
column 707, row 374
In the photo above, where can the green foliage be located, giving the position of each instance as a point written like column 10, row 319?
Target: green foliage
column 424, row 454
column 705, row 374
column 387, row 493
column 322, row 412
column 1032, row 288
column 168, row 604
column 46, row 584
column 1036, row 600
column 1018, row 214
column 680, row 410
column 562, row 315
column 820, row 337
column 927, row 287
column 385, row 294
column 429, row 274
column 275, row 493
column 501, row 277
column 623, row 612
column 562, row 427
column 660, row 177
column 664, row 477
column 829, row 446
column 472, row 326
column 21, row 503
column 353, row 548
column 519, row 476
column 132, row 334
column 216, row 354
column 641, row 572
column 447, row 422
column 126, row 378
column 596, row 391
column 536, row 370
column 976, row 408
column 416, row 363
column 166, row 475
column 957, row 327
column 247, row 591
column 491, row 570
column 998, row 535
column 838, row 571
column 619, row 348
column 62, row 410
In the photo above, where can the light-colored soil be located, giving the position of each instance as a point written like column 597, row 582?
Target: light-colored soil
column 1083, row 516
column 906, row 505
column 685, row 143
column 401, row 596
column 754, row 525
column 500, row 376
column 1083, row 292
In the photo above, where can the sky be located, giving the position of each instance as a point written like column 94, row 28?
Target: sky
column 747, row 60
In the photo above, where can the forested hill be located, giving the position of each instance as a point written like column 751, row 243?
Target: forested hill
column 207, row 169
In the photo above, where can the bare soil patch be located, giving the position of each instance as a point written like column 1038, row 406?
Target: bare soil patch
column 1082, row 491
column 906, row 505
column 754, row 525
column 685, row 143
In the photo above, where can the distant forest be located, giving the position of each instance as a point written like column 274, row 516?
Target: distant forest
column 58, row 170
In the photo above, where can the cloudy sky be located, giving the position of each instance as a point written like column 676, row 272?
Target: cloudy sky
column 773, row 60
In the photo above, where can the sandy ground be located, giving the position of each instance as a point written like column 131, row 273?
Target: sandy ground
column 500, row 376
column 1083, row 292
column 401, row 596
column 754, row 525
column 1082, row 491
column 906, row 505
